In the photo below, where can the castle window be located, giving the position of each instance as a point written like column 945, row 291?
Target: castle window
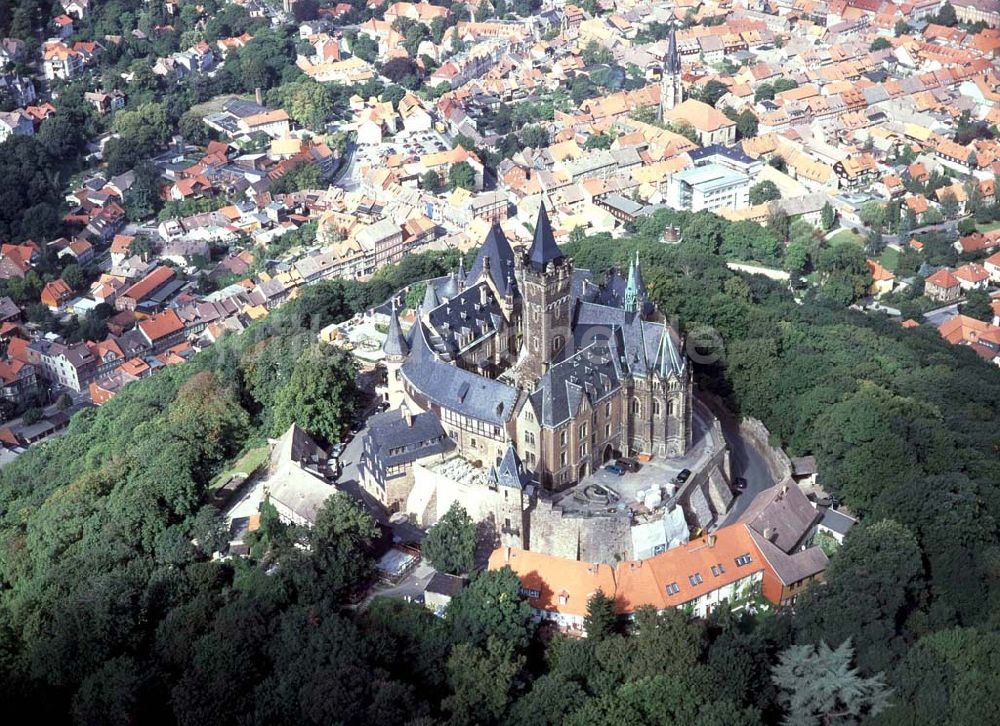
column 583, row 432
column 607, row 431
column 607, row 409
column 656, row 407
column 472, row 443
column 670, row 408
column 529, row 438
column 636, row 406
column 562, row 437
column 562, row 459
column 583, row 450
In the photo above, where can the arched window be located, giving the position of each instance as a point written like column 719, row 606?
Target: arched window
column 656, row 407
column 636, row 406
column 670, row 408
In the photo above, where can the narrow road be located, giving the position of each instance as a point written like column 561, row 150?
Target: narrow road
column 746, row 462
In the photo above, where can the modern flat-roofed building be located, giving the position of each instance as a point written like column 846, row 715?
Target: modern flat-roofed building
column 710, row 187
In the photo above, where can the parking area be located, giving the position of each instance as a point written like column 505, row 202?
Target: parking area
column 408, row 144
column 607, row 492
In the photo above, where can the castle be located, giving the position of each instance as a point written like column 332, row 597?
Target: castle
column 532, row 367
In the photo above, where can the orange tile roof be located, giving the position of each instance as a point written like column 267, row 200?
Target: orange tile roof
column 562, row 586
column 162, row 325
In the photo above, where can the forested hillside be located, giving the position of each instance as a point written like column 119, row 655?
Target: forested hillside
column 110, row 611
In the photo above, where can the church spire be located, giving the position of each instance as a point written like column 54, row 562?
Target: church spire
column 672, row 60
column 671, row 360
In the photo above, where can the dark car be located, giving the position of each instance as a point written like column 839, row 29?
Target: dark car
column 740, row 484
column 616, row 469
column 683, row 475
column 629, row 464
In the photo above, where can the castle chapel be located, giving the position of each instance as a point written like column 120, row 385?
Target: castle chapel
column 531, row 367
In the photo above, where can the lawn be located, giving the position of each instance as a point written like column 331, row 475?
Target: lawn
column 889, row 259
column 247, row 464
column 988, row 227
column 846, row 235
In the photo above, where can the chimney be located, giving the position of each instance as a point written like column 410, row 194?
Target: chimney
column 769, row 533
column 407, row 415
column 258, row 96
column 482, row 295
column 711, row 540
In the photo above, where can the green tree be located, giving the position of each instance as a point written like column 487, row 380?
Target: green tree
column 765, row 191
column 491, row 606
column 601, row 620
column 828, row 217
column 481, row 680
column 949, row 204
column 818, row 686
column 978, row 305
column 946, row 15
column 451, row 544
column 880, row 44
column 874, row 584
column 320, row 396
column 461, row 176
column 431, row 181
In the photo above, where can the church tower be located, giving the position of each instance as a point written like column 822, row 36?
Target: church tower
column 671, row 92
column 544, row 278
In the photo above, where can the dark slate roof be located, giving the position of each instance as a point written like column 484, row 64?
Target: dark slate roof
column 735, row 153
column 544, row 249
column 456, row 389
column 466, row 314
column 391, row 441
column 791, row 566
column 443, row 584
column 837, row 521
column 510, row 472
column 612, row 293
column 593, row 373
column 637, row 343
column 450, row 287
column 395, row 343
column 784, row 513
column 431, row 300
column 497, row 255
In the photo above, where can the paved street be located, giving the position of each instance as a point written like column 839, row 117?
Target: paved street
column 941, row 315
column 747, row 463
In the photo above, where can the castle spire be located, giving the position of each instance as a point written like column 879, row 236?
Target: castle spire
column 544, row 249
column 635, row 288
column 395, row 343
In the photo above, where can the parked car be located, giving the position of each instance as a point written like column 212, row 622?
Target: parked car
column 740, row 484
column 629, row 464
column 683, row 475
column 615, row 469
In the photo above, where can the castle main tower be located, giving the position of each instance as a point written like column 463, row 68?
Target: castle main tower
column 544, row 277
column 671, row 92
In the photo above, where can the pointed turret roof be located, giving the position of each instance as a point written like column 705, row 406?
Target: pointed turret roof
column 510, row 472
column 671, row 360
column 395, row 343
column 635, row 289
column 544, row 249
column 496, row 255
column 431, row 299
column 450, row 288
column 672, row 60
